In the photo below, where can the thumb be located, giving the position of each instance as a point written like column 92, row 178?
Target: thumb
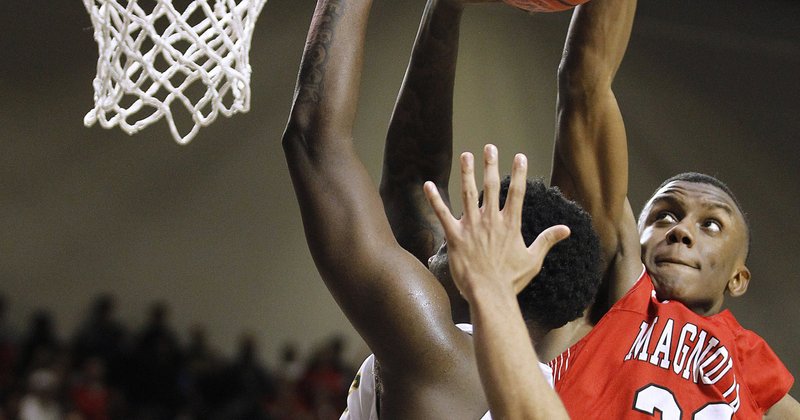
column 545, row 241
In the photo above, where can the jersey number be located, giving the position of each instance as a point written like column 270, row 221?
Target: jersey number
column 653, row 398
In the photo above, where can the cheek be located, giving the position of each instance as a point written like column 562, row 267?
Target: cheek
column 715, row 256
column 645, row 237
column 721, row 263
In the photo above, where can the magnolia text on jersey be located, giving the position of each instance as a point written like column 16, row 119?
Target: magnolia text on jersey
column 695, row 356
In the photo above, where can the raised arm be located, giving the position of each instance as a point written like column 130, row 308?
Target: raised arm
column 391, row 299
column 491, row 264
column 590, row 163
column 420, row 138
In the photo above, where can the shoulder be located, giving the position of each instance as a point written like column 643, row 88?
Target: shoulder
column 763, row 373
column 638, row 295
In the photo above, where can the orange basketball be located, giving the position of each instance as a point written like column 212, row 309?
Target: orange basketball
column 545, row 5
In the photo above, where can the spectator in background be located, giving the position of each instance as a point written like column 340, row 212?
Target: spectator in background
column 157, row 359
column 291, row 367
column 250, row 381
column 102, row 336
column 41, row 400
column 40, row 344
column 202, row 381
column 159, row 379
column 288, row 402
column 89, row 394
column 324, row 384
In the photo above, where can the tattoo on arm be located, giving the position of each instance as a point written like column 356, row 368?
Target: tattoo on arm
column 424, row 117
column 312, row 69
column 419, row 143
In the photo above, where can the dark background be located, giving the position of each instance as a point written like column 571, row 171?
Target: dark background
column 213, row 227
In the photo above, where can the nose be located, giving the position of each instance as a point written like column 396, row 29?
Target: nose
column 680, row 233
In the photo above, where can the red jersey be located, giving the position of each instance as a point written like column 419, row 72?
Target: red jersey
column 646, row 356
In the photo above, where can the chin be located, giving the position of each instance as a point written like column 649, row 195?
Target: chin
column 665, row 288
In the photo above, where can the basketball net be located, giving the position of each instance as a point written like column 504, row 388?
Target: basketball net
column 155, row 59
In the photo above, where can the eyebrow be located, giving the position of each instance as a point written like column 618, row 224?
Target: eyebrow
column 664, row 199
column 671, row 199
column 722, row 206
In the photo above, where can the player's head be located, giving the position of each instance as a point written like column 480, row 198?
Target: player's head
column 569, row 277
column 695, row 241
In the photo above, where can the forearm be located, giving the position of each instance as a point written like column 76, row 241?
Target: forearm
column 596, row 43
column 591, row 145
column 330, row 182
column 326, row 93
column 329, row 179
column 508, row 365
column 591, row 152
column 419, row 140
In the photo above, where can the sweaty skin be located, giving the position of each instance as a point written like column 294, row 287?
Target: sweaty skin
column 427, row 365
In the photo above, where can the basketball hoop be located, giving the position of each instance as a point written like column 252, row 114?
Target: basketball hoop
column 155, row 60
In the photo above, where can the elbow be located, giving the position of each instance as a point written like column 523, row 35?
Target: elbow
column 574, row 80
column 295, row 138
column 308, row 143
column 314, row 133
column 581, row 75
column 302, row 134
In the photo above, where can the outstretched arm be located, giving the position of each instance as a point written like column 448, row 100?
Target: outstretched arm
column 590, row 163
column 390, row 298
column 491, row 264
column 420, row 137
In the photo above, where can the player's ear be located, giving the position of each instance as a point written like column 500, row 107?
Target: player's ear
column 737, row 285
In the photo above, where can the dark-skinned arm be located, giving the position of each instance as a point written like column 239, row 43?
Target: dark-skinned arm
column 419, row 142
column 391, row 299
column 590, row 163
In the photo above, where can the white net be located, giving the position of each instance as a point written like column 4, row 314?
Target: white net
column 157, row 60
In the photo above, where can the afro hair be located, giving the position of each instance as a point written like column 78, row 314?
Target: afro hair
column 570, row 276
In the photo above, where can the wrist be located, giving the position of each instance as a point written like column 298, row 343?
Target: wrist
column 479, row 290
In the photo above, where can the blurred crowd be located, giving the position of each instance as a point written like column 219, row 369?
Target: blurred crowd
column 106, row 371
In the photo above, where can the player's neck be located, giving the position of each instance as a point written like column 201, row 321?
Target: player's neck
column 537, row 335
column 559, row 339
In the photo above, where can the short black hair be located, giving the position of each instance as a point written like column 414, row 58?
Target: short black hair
column 701, row 178
column 570, row 275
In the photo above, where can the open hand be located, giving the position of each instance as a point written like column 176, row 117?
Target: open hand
column 485, row 247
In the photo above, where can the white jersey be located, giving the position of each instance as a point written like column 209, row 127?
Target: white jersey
column 361, row 400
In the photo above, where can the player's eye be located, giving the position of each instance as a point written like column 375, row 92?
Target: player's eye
column 712, row 225
column 665, row 217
